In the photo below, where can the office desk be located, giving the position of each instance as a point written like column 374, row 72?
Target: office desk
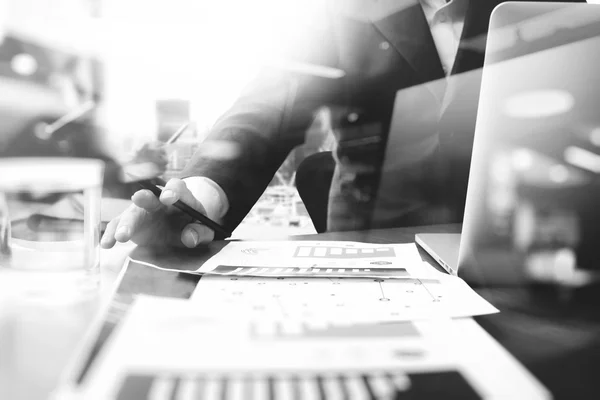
column 38, row 340
column 556, row 336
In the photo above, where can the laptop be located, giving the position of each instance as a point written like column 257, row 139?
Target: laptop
column 533, row 186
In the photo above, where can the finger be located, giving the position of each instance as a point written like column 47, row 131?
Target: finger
column 161, row 162
column 163, row 159
column 108, row 239
column 143, row 147
column 175, row 190
column 129, row 222
column 147, row 200
column 195, row 234
column 161, row 154
column 156, row 145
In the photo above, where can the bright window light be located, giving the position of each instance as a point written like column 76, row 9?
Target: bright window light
column 539, row 104
column 558, row 173
column 583, row 158
column 24, row 64
column 522, row 159
column 595, row 136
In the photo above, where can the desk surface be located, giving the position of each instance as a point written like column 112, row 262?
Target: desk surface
column 556, row 335
column 38, row 340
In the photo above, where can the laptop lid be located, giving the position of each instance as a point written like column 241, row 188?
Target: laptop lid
column 533, row 184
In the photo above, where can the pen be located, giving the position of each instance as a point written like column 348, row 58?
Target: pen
column 177, row 133
column 69, row 117
column 198, row 216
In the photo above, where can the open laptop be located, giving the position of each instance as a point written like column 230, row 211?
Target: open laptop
column 533, row 183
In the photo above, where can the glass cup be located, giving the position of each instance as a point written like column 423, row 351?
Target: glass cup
column 50, row 227
column 49, row 268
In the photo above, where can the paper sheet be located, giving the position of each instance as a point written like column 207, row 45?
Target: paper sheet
column 314, row 258
column 340, row 299
column 169, row 348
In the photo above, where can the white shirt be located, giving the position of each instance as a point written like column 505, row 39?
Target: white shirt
column 210, row 194
column 446, row 20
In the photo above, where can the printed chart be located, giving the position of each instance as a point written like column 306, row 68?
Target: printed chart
column 174, row 349
column 298, row 385
column 316, row 272
column 315, row 330
column 295, row 301
column 338, row 252
column 331, row 259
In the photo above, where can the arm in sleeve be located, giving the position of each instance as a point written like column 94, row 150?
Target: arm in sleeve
column 264, row 124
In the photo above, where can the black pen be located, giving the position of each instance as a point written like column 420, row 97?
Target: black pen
column 197, row 215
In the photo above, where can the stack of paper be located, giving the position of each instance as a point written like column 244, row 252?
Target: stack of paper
column 310, row 320
column 170, row 349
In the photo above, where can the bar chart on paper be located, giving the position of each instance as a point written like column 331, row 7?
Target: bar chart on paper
column 312, row 259
column 337, row 252
column 376, row 363
column 316, row 272
column 268, row 330
column 298, row 385
column 173, row 349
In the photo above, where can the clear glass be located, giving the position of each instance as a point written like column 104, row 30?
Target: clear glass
column 50, row 227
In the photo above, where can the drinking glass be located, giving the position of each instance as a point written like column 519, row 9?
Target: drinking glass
column 49, row 268
column 50, row 227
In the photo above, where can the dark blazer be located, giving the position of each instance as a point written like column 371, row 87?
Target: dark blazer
column 383, row 46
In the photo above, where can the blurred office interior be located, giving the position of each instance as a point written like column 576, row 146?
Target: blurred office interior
column 126, row 73
column 102, row 78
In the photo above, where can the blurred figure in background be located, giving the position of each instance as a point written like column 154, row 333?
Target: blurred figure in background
column 50, row 107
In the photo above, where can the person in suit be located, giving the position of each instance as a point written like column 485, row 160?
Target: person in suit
column 415, row 58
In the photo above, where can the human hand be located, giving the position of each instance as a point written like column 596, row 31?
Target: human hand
column 153, row 152
column 152, row 221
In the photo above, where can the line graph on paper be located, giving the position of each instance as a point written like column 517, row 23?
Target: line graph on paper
column 335, row 301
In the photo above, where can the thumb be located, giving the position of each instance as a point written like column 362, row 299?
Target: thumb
column 156, row 145
column 175, row 190
column 195, row 234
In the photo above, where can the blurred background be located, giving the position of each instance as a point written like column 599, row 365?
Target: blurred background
column 103, row 78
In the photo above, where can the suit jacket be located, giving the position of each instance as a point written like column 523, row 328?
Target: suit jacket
column 383, row 46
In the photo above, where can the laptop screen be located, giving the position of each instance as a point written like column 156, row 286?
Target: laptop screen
column 534, row 188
